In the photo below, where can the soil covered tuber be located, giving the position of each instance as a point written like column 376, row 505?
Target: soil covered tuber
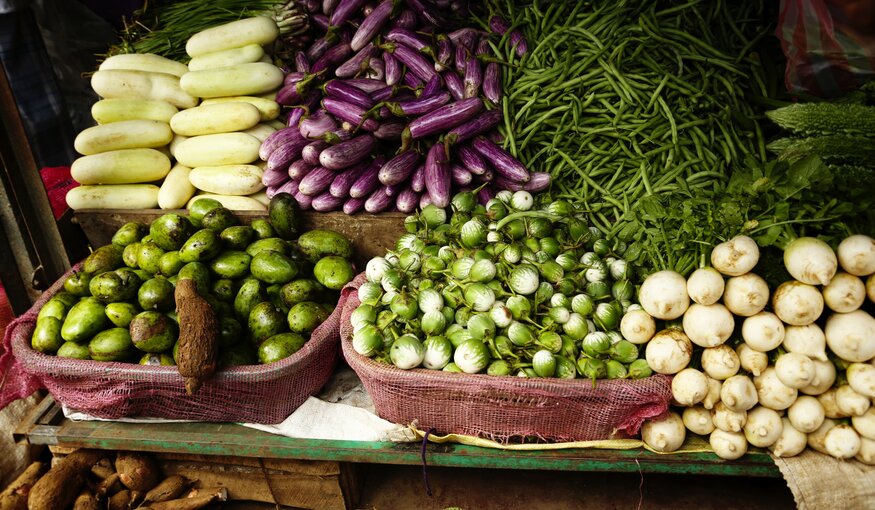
column 198, row 336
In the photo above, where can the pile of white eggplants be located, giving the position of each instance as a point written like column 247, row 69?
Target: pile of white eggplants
column 783, row 369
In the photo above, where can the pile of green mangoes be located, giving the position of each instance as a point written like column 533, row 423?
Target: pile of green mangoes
column 269, row 284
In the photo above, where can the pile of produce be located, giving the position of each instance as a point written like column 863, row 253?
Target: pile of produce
column 201, row 289
column 391, row 109
column 92, row 479
column 507, row 289
column 780, row 368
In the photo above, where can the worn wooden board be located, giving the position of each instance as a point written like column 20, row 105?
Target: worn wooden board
column 370, row 234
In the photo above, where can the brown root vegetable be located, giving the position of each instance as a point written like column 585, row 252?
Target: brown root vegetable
column 202, row 498
column 14, row 497
column 61, row 485
column 137, row 471
column 86, row 501
column 171, row 487
column 103, row 469
column 198, row 336
column 121, row 500
column 109, row 486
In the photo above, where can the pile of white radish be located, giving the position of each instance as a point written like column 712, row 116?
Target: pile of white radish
column 784, row 368
column 167, row 132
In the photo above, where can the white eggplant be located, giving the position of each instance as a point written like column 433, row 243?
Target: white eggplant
column 664, row 295
column 851, row 336
column 791, row 442
column 763, row 331
column 808, row 340
column 728, row 445
column 736, row 256
column 797, row 303
column 845, row 293
column 697, row 419
column 856, row 255
column 772, row 393
column 708, row 325
column 806, row 414
column 720, row 362
column 665, row 434
column 810, row 261
column 705, row 286
column 746, row 295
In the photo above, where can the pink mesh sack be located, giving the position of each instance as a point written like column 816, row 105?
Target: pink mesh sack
column 503, row 408
column 253, row 394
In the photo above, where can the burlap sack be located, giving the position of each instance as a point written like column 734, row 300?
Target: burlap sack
column 819, row 481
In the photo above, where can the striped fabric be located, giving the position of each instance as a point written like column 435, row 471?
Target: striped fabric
column 822, row 58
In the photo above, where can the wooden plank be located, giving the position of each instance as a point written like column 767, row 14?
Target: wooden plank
column 309, row 467
column 370, row 234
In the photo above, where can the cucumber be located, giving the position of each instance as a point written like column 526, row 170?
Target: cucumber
column 124, row 166
column 215, row 118
column 227, row 179
column 119, row 83
column 261, row 131
column 239, row 80
column 176, row 190
column 218, row 149
column 144, row 62
column 267, row 107
column 118, row 109
column 255, row 30
column 124, row 134
column 113, row 196
column 234, row 203
column 224, row 58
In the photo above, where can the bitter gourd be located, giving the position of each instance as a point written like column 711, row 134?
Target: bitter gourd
column 846, row 149
column 826, row 119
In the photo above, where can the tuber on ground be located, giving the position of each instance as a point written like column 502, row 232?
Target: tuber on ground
column 61, row 485
column 14, row 497
column 198, row 336
column 201, row 499
column 171, row 487
column 137, row 471
column 108, row 486
column 86, row 501
column 121, row 500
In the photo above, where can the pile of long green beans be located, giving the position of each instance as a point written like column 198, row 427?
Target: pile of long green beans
column 621, row 100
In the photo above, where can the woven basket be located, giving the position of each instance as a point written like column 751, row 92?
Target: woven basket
column 264, row 394
column 503, row 408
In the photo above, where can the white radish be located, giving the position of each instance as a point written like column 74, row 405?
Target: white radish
column 752, row 360
column 746, row 295
column 727, row 419
column 772, row 393
column 856, row 255
column 816, row 438
column 708, row 325
column 720, row 362
column 808, row 340
column 697, row 419
column 763, row 427
column 850, row 402
column 865, row 424
column 794, row 370
column 736, row 256
column 728, row 445
column 665, row 434
column 664, row 295
column 842, row 442
column 851, row 336
column 689, row 387
column 831, row 409
column 791, row 442
column 806, row 414
column 705, row 286
column 824, row 377
column 810, row 261
column 866, row 455
column 713, row 396
column 763, row 331
column 861, row 377
column 845, row 293
column 637, row 326
column 738, row 393
column 797, row 303
column 669, row 351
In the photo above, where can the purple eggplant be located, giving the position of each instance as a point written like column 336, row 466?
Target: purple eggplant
column 319, row 21
column 483, row 49
column 406, row 19
column 302, row 63
column 371, row 25
column 326, row 202
column 461, row 175
column 454, row 84
column 408, row 38
column 399, row 168
column 424, row 200
column 502, row 161
column 390, row 130
column 274, row 176
column 501, row 183
column 299, row 169
column 354, row 205
column 311, row 6
column 473, row 77
column 491, row 83
column 460, row 59
column 290, row 186
column 471, row 159
column 485, row 194
column 328, row 6
column 417, row 180
column 310, row 152
column 393, row 68
column 464, row 36
column 383, row 94
column 336, row 136
column 319, row 47
column 437, row 175
column 358, row 63
column 295, row 116
column 339, row 89
column 433, row 86
column 378, row 201
column 411, row 80
column 427, row 12
column 376, row 69
column 276, row 139
column 345, row 10
column 295, row 77
column 317, row 124
column 366, row 84
column 332, row 58
column 350, row 113
column 486, row 176
column 538, row 182
column 304, row 201
column 419, row 106
column 344, row 180
column 285, row 154
column 416, row 63
column 500, row 27
column 347, row 153
column 368, row 180
column 317, row 181
column 444, row 54
column 407, row 200
column 393, row 190
column 444, row 118
column 478, row 125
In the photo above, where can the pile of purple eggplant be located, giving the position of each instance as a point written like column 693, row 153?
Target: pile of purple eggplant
column 387, row 111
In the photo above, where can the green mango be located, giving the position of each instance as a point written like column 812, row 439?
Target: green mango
column 218, row 219
column 230, row 331
column 202, row 245
column 74, row 351
column 46, row 336
column 251, row 293
column 237, row 355
column 170, row 263
column 84, row 320
column 157, row 359
column 105, row 258
column 149, row 257
column 263, row 229
column 273, row 267
column 280, row 346
column 305, row 317
column 265, row 320
column 112, row 344
column 156, row 294
column 271, row 243
column 77, row 284
column 130, row 255
column 237, row 237
column 121, row 314
column 129, row 233
column 54, row 307
column 110, row 286
column 231, row 264
column 153, row 332
column 298, row 291
column 199, row 272
column 132, row 278
column 316, row 244
column 333, row 272
column 225, row 289
column 69, row 299
column 200, row 207
column 170, row 231
column 285, row 215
